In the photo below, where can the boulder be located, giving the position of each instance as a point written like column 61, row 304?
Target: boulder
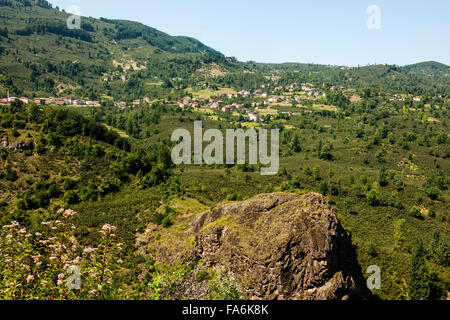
column 276, row 246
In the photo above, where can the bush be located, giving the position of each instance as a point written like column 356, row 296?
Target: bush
column 323, row 188
column 235, row 197
column 69, row 184
column 224, row 287
column 382, row 178
column 167, row 222
column 372, row 250
column 41, row 266
column 10, row 174
column 432, row 212
column 433, row 192
column 416, row 212
column 71, row 197
column 316, row 173
column 373, row 197
column 202, row 275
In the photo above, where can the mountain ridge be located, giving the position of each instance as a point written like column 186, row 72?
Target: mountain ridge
column 115, row 58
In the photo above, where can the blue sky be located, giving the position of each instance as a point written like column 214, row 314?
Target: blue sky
column 317, row 31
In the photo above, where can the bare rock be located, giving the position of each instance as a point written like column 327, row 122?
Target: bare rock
column 276, row 246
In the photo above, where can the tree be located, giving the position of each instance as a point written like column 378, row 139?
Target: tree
column 316, row 173
column 295, row 144
column 323, row 188
column 399, row 235
column 382, row 178
column 373, row 197
column 419, row 277
column 164, row 157
column 439, row 250
column 416, row 212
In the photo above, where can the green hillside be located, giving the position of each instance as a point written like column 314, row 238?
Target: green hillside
column 431, row 69
column 373, row 140
column 412, row 79
column 123, row 60
column 41, row 56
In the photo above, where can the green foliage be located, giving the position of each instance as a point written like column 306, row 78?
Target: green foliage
column 40, row 266
column 316, row 173
column 372, row 250
column 235, row 197
column 416, row 212
column 223, row 287
column 399, row 234
column 202, row 275
column 164, row 217
column 440, row 250
column 10, row 174
column 419, row 277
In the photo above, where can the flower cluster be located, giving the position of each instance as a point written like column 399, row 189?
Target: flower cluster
column 39, row 266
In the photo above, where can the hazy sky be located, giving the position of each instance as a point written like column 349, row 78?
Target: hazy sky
column 318, row 31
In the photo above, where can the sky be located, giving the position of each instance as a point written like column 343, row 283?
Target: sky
column 308, row 31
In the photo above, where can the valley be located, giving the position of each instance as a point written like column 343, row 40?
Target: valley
column 364, row 153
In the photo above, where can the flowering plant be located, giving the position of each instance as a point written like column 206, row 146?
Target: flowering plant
column 52, row 265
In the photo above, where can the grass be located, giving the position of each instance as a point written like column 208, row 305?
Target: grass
column 208, row 93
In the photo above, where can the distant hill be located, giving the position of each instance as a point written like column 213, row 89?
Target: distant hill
column 431, row 69
column 412, row 79
column 109, row 60
column 126, row 30
column 39, row 54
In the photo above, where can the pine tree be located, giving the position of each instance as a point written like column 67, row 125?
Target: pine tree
column 419, row 277
column 295, row 145
column 399, row 235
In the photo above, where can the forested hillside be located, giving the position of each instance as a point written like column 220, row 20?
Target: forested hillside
column 93, row 185
column 104, row 59
column 122, row 60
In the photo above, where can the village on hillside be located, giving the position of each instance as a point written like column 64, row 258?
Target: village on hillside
column 249, row 105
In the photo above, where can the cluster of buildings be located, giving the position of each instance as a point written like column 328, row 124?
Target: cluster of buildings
column 188, row 103
column 312, row 91
column 51, row 101
column 69, row 101
column 397, row 97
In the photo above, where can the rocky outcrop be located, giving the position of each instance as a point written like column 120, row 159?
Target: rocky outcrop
column 276, row 246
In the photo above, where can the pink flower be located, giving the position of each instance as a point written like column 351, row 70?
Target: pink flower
column 30, row 278
column 108, row 229
column 69, row 214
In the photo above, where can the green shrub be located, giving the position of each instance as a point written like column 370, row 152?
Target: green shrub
column 433, row 192
column 224, row 287
column 373, row 197
column 10, row 174
column 202, row 275
column 416, row 212
column 71, row 197
column 372, row 250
